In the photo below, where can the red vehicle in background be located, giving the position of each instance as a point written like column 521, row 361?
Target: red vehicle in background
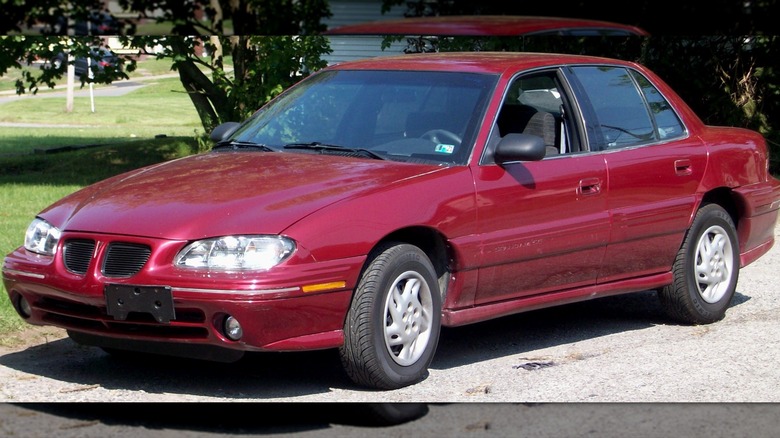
column 489, row 25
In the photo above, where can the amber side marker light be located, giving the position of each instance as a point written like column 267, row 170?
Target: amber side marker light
column 324, row 286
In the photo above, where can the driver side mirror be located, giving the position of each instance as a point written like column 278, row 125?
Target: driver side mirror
column 223, row 131
column 519, row 147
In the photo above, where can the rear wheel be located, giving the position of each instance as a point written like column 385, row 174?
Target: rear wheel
column 706, row 269
column 392, row 327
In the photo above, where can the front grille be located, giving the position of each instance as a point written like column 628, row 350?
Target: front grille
column 76, row 254
column 125, row 259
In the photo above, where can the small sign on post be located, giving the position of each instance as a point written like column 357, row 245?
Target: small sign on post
column 70, row 81
column 91, row 77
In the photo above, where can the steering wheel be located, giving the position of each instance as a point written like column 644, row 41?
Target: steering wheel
column 442, row 136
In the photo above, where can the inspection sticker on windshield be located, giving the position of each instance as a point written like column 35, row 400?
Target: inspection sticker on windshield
column 444, row 148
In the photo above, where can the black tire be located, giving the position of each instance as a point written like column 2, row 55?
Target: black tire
column 705, row 270
column 376, row 352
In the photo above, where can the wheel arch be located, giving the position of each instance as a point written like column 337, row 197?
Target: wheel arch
column 432, row 243
column 726, row 198
column 737, row 207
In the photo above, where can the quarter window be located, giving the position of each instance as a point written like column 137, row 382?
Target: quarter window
column 666, row 120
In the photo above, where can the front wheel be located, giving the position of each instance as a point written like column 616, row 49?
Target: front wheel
column 393, row 324
column 705, row 270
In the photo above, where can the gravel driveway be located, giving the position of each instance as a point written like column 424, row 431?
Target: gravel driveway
column 617, row 349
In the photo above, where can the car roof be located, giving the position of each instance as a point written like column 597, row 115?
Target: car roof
column 483, row 25
column 475, row 62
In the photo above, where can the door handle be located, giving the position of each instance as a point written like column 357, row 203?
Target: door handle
column 589, row 187
column 683, row 167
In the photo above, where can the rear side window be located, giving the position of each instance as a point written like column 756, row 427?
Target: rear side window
column 623, row 108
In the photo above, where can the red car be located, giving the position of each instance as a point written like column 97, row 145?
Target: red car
column 379, row 200
column 490, row 25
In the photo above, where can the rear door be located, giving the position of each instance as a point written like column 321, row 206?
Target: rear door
column 654, row 168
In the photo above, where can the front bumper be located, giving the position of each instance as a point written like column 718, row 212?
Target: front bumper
column 275, row 314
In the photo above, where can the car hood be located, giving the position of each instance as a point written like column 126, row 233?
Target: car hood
column 223, row 193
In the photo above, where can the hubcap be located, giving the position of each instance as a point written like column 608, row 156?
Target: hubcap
column 714, row 264
column 408, row 316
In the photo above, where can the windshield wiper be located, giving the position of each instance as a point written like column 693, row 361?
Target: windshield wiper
column 317, row 146
column 236, row 145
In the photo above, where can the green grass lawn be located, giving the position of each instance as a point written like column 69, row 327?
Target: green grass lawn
column 152, row 124
column 29, row 183
column 159, row 108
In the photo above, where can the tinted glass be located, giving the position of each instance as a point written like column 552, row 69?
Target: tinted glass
column 400, row 115
column 620, row 117
column 669, row 125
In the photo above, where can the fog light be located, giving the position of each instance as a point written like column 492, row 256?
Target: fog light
column 23, row 306
column 232, row 328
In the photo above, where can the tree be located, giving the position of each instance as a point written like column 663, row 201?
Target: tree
column 287, row 48
column 45, row 16
column 262, row 67
column 725, row 66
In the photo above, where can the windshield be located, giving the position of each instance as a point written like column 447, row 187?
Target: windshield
column 398, row 115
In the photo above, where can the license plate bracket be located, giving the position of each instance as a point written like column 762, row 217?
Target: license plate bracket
column 122, row 299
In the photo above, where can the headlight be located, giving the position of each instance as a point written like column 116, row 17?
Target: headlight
column 41, row 237
column 236, row 253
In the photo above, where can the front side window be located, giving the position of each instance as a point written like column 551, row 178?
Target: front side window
column 534, row 105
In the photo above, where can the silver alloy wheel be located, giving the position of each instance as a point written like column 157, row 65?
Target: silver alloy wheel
column 408, row 317
column 392, row 327
column 714, row 264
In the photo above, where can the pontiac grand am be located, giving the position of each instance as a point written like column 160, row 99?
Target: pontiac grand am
column 379, row 200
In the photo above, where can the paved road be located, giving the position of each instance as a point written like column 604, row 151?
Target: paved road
column 117, row 88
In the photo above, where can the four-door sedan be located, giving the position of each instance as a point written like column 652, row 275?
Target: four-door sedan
column 378, row 200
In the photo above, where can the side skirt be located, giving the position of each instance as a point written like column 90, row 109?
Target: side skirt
column 452, row 318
